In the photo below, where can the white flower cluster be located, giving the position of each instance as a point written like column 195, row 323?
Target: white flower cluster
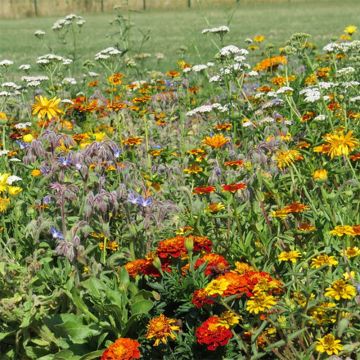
column 39, row 33
column 107, row 53
column 69, row 81
column 67, row 21
column 51, row 59
column 207, row 108
column 25, row 67
column 311, row 94
column 6, row 63
column 34, row 81
column 22, row 126
column 343, row 47
column 345, row 71
column 232, row 50
column 11, row 85
column 12, row 178
column 199, row 68
column 217, row 30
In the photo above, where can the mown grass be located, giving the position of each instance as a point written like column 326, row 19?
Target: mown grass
column 170, row 30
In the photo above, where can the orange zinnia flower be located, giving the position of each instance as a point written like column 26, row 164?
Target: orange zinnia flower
column 204, row 190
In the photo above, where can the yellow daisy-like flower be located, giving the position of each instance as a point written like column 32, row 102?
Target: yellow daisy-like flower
column 351, row 252
column 338, row 143
column 229, row 319
column 4, row 204
column 351, row 29
column 216, row 287
column 260, row 302
column 291, row 255
column 214, row 208
column 340, row 289
column 323, row 260
column 193, row 169
column 285, row 158
column 329, row 344
column 35, row 172
column 14, row 190
column 3, row 182
column 259, row 38
column 341, row 230
column 161, row 328
column 216, row 141
column 320, row 175
column 45, row 107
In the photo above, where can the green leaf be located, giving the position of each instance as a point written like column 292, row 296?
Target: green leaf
column 92, row 355
column 3, row 335
column 141, row 307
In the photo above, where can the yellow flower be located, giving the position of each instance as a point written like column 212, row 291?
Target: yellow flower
column 4, row 204
column 341, row 230
column 320, row 175
column 351, row 252
column 328, row 344
column 229, row 319
column 193, row 169
column 322, row 260
column 351, row 29
column 216, row 287
column 3, row 182
column 260, row 302
column 28, row 138
column 259, row 38
column 349, row 275
column 285, row 158
column 14, row 190
column 216, row 141
column 214, row 208
column 99, row 136
column 338, row 143
column 46, row 108
column 161, row 328
column 35, row 172
column 340, row 290
column 292, row 256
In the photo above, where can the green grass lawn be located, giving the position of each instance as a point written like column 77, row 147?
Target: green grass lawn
column 172, row 29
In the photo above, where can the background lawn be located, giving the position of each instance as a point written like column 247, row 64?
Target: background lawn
column 170, row 30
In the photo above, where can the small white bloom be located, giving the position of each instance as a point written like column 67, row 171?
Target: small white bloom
column 13, row 178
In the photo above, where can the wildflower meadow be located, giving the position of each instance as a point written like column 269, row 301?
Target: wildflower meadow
column 208, row 210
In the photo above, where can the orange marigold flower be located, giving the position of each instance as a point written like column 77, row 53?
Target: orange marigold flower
column 201, row 297
column 122, row 349
column 215, row 264
column 213, row 334
column 341, row 230
column 223, row 127
column 142, row 267
column 204, row 190
column 233, row 187
column 216, row 141
column 338, row 144
column 355, row 157
column 306, row 227
column 161, row 328
column 234, row 163
column 271, row 63
column 115, row 79
column 132, row 141
column 173, row 73
column 193, row 169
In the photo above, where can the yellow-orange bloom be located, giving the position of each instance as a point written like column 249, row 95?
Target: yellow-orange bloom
column 340, row 289
column 338, row 144
column 285, row 158
column 292, row 256
column 216, row 141
column 161, row 328
column 329, row 344
column 320, row 175
column 260, row 302
column 45, row 107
